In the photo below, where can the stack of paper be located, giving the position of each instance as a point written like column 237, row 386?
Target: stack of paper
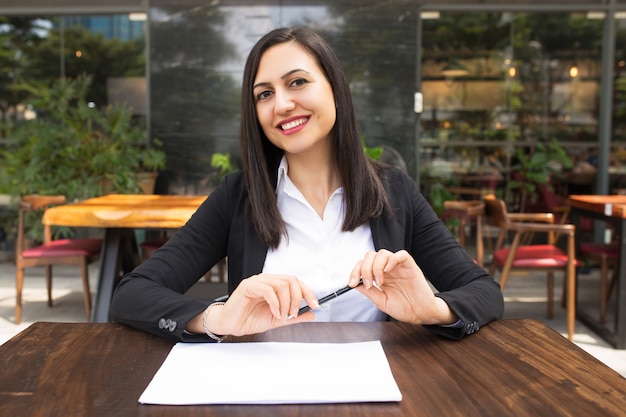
column 273, row 373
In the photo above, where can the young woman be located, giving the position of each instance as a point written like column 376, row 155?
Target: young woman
column 308, row 214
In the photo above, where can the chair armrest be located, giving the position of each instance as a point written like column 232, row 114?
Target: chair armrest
column 531, row 217
column 469, row 207
column 542, row 227
column 34, row 201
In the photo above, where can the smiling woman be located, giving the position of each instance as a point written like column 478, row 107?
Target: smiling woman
column 296, row 110
column 308, row 214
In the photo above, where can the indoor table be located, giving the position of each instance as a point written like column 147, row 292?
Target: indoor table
column 612, row 209
column 508, row 368
column 119, row 215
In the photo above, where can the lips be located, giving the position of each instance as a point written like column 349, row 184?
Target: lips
column 294, row 123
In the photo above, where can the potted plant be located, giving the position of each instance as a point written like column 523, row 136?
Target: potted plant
column 534, row 170
column 74, row 149
column 151, row 160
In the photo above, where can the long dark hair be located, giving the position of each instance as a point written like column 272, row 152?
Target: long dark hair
column 364, row 196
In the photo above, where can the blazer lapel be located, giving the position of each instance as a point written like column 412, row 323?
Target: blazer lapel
column 387, row 233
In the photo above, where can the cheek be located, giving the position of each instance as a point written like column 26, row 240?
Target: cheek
column 264, row 115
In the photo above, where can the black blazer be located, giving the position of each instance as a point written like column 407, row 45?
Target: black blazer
column 152, row 298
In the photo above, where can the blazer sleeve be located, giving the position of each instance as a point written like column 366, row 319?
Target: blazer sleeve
column 152, row 297
column 472, row 294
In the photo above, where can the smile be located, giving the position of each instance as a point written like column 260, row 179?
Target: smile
column 294, row 123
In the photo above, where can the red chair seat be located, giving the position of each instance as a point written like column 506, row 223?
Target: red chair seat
column 534, row 256
column 65, row 247
column 153, row 245
column 600, row 249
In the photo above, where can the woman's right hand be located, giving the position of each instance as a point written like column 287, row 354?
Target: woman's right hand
column 259, row 303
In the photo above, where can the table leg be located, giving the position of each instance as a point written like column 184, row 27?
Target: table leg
column 620, row 310
column 119, row 255
column 616, row 336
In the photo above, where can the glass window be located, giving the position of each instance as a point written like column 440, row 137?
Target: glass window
column 197, row 60
column 498, row 87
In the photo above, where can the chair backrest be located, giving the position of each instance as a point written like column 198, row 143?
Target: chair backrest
column 28, row 203
column 495, row 211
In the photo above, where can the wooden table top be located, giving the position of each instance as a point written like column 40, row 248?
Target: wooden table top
column 510, row 367
column 126, row 210
column 611, row 205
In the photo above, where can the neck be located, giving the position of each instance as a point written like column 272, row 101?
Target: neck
column 316, row 178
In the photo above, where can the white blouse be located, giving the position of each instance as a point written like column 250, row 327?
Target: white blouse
column 319, row 253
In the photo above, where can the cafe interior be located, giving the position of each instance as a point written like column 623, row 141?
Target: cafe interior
column 521, row 100
column 509, row 115
column 524, row 100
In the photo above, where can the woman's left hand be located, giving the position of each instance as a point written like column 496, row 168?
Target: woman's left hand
column 401, row 289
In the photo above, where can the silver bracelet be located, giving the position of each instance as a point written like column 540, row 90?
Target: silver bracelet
column 215, row 337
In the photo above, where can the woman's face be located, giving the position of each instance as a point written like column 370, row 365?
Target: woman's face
column 294, row 100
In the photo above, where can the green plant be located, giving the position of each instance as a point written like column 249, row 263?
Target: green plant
column 224, row 165
column 153, row 158
column 73, row 149
column 437, row 197
column 535, row 169
column 373, row 152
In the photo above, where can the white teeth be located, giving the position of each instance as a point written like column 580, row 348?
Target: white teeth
column 293, row 124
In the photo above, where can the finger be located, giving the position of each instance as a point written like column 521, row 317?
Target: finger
column 395, row 259
column 355, row 274
column 366, row 269
column 309, row 298
column 267, row 292
column 378, row 266
column 284, row 292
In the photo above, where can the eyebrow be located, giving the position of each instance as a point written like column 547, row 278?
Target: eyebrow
column 282, row 78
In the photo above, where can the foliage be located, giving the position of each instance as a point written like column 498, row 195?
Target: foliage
column 437, row 197
column 78, row 145
column 27, row 56
column 73, row 149
column 535, row 169
column 373, row 152
column 99, row 57
column 18, row 34
column 152, row 158
column 222, row 162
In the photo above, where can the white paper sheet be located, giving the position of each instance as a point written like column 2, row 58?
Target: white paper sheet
column 273, row 373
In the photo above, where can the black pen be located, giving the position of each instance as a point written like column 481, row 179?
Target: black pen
column 330, row 296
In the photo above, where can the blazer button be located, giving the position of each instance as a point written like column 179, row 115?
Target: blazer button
column 172, row 326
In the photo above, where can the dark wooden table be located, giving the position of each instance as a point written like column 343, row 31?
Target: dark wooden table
column 119, row 215
column 510, row 367
column 612, row 209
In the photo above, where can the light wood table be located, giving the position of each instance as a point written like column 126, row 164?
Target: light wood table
column 119, row 215
column 612, row 209
column 508, row 368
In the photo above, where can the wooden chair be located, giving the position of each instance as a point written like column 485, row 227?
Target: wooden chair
column 534, row 257
column 467, row 211
column 80, row 252
column 606, row 254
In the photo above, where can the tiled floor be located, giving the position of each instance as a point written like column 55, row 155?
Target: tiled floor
column 525, row 298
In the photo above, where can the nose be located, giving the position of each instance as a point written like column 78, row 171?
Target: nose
column 283, row 102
